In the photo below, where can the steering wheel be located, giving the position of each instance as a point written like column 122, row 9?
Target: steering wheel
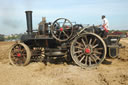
column 62, row 29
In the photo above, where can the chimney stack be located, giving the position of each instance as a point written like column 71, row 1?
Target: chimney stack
column 29, row 22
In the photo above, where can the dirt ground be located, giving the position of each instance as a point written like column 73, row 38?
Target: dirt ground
column 63, row 74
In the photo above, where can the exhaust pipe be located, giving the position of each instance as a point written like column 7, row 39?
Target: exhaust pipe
column 29, row 22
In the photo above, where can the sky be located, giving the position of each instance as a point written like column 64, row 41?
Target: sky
column 13, row 19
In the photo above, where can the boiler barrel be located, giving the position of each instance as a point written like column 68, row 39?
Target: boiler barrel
column 29, row 22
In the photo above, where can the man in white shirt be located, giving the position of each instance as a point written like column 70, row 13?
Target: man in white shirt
column 105, row 25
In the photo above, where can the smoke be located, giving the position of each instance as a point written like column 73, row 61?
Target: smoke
column 8, row 21
column 12, row 16
column 7, row 18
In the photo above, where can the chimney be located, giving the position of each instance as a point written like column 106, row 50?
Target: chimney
column 29, row 22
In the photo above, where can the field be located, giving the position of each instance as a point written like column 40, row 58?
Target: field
column 63, row 74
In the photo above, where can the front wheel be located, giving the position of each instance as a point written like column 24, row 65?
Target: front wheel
column 88, row 49
column 19, row 54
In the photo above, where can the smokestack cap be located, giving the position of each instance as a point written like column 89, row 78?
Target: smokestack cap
column 28, row 11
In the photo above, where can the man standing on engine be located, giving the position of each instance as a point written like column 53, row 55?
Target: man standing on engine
column 105, row 26
column 105, row 29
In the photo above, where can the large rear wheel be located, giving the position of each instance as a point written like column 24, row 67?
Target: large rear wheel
column 19, row 54
column 88, row 50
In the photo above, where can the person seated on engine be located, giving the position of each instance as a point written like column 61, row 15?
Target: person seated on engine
column 105, row 26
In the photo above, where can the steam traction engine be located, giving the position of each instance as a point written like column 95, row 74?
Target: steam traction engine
column 84, row 45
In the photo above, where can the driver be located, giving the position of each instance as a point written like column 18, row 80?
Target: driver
column 105, row 26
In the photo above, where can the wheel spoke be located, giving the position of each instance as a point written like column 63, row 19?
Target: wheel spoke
column 98, row 48
column 23, row 51
column 14, row 50
column 90, row 61
column 82, row 58
column 95, row 46
column 79, row 47
column 64, row 23
column 79, row 44
column 60, row 34
column 20, row 61
column 16, row 60
column 23, row 58
column 86, row 60
column 83, row 42
column 96, row 57
column 94, row 41
column 77, row 52
column 13, row 57
column 86, row 39
column 96, row 52
column 24, row 54
column 55, row 33
column 56, row 24
column 65, row 34
column 90, row 41
column 93, row 59
column 80, row 55
column 20, row 47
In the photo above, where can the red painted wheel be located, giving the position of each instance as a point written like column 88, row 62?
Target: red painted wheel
column 19, row 54
column 88, row 50
column 62, row 29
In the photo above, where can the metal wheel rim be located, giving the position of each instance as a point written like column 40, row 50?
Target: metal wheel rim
column 19, row 56
column 84, row 60
column 67, row 35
